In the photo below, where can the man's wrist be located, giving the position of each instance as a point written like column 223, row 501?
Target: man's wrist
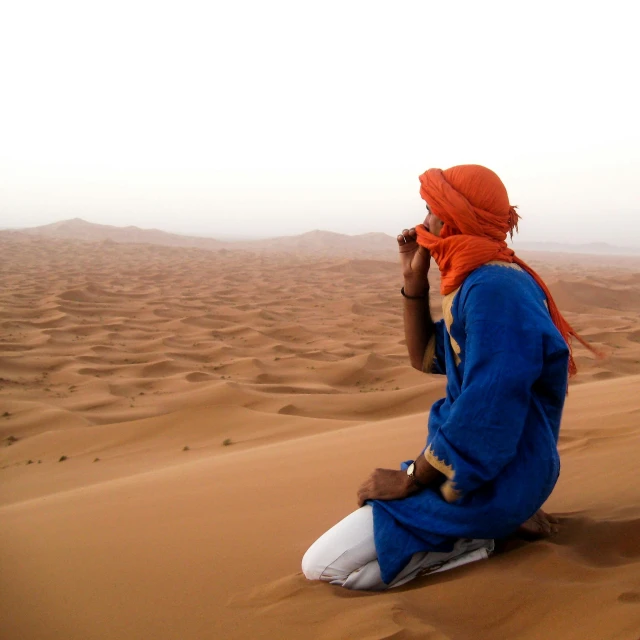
column 415, row 288
column 412, row 486
column 424, row 472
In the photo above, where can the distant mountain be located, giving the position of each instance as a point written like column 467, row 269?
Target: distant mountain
column 316, row 243
column 328, row 243
column 78, row 229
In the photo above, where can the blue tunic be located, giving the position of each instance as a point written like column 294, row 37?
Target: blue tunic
column 494, row 436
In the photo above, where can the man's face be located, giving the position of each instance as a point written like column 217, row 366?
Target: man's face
column 433, row 223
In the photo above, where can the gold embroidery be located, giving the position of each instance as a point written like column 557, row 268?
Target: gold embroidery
column 444, row 468
column 447, row 303
column 448, row 488
column 508, row 265
column 429, row 355
column 449, row 492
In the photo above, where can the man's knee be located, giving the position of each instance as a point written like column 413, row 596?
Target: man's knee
column 345, row 547
column 311, row 565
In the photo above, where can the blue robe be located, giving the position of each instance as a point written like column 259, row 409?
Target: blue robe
column 494, row 436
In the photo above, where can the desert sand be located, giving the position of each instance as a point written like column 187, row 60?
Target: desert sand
column 179, row 424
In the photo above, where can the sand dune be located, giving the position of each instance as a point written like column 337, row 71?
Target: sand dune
column 217, row 411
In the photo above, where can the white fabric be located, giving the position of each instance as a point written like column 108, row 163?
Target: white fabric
column 346, row 556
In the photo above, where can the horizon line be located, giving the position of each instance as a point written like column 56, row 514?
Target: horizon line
column 232, row 239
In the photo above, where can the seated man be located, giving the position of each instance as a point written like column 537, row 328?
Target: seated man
column 490, row 459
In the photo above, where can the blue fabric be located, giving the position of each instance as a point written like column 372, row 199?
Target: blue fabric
column 439, row 364
column 496, row 431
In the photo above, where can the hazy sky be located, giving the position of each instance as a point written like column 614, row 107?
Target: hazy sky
column 274, row 118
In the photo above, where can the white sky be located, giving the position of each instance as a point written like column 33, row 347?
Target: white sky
column 275, row 118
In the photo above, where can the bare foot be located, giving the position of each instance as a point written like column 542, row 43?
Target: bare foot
column 540, row 525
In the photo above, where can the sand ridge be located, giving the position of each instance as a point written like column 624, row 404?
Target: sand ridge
column 128, row 353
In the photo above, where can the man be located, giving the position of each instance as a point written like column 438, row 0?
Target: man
column 490, row 459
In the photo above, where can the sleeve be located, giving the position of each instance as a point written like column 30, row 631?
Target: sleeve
column 434, row 360
column 503, row 357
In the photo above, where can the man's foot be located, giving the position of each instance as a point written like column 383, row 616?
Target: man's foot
column 540, row 525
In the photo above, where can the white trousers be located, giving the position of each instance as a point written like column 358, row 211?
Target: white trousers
column 346, row 556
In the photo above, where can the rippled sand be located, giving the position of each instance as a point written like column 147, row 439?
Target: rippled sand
column 217, row 411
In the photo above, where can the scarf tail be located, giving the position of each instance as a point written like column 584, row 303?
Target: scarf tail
column 565, row 329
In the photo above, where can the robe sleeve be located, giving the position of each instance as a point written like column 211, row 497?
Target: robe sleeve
column 434, row 359
column 503, row 357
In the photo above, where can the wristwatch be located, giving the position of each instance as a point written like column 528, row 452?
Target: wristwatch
column 411, row 472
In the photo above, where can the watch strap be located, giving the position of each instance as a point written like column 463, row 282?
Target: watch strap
column 411, row 472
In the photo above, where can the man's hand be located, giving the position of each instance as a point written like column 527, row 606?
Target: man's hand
column 386, row 484
column 414, row 261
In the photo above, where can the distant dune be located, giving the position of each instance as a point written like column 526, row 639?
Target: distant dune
column 592, row 248
column 316, row 243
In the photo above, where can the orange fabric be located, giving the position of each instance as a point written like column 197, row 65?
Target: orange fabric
column 474, row 206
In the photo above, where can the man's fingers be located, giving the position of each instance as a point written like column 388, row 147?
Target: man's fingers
column 549, row 517
column 363, row 493
column 407, row 244
column 407, row 236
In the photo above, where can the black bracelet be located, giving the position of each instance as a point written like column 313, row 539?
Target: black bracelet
column 422, row 297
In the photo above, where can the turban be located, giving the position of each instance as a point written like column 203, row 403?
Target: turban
column 473, row 204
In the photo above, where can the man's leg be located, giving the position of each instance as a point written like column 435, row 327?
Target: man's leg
column 346, row 556
column 345, row 549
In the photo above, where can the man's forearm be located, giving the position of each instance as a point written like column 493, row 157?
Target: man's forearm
column 425, row 473
column 418, row 324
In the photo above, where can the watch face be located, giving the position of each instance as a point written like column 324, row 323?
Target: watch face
column 411, row 469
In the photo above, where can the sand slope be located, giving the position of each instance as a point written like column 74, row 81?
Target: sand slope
column 129, row 353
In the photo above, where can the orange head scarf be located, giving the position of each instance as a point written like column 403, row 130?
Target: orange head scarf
column 474, row 206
